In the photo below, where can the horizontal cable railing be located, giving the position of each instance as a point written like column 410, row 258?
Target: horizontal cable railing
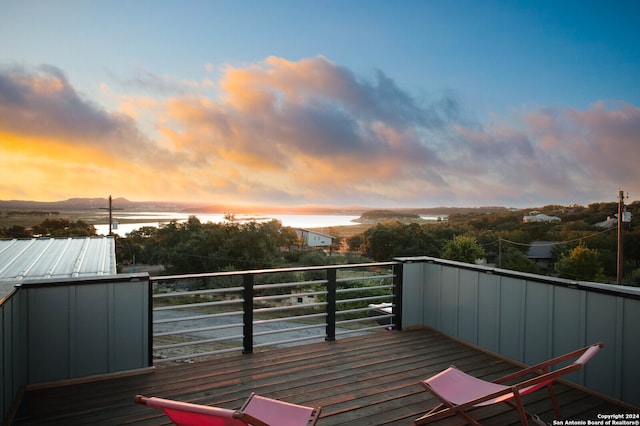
column 201, row 315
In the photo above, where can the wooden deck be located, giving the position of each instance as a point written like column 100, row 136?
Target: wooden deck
column 366, row 380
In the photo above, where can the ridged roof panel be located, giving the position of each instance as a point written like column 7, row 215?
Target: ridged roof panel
column 47, row 258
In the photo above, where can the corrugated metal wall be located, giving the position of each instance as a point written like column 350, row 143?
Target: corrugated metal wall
column 92, row 327
column 56, row 330
column 530, row 319
column 13, row 349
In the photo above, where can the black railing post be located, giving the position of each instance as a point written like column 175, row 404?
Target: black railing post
column 247, row 315
column 397, row 295
column 150, row 319
column 331, row 304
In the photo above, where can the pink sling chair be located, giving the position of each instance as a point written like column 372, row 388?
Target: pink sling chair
column 256, row 411
column 460, row 392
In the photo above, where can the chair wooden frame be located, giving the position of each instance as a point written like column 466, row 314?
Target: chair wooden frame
column 256, row 411
column 460, row 392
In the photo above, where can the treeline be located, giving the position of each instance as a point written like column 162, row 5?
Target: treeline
column 193, row 247
column 580, row 250
column 31, row 213
column 50, row 228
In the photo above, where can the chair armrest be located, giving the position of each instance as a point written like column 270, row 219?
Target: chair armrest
column 547, row 378
column 543, row 367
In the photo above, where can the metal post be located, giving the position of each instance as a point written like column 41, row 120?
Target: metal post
column 110, row 216
column 331, row 305
column 397, row 295
column 620, row 266
column 247, row 314
column 150, row 319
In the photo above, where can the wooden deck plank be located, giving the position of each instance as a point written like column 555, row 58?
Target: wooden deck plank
column 364, row 380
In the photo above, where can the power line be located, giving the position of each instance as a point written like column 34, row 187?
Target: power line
column 556, row 243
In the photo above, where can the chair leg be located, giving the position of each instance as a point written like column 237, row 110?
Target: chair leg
column 443, row 411
column 554, row 401
column 520, row 408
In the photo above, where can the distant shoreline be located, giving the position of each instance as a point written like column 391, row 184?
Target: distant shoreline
column 97, row 204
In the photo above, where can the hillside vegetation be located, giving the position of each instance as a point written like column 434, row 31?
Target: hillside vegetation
column 502, row 236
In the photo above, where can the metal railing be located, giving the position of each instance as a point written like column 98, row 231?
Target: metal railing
column 201, row 315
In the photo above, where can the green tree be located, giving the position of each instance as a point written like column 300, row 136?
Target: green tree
column 15, row 231
column 634, row 279
column 581, row 263
column 516, row 260
column 463, row 249
column 388, row 240
column 63, row 228
column 355, row 242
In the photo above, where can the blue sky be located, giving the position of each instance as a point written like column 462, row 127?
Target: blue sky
column 377, row 103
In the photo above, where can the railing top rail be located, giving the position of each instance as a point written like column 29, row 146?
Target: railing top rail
column 63, row 281
column 270, row 271
column 612, row 289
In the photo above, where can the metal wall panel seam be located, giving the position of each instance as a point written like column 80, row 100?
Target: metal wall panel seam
column 18, row 256
column 619, row 348
column 34, row 262
column 81, row 257
column 61, row 255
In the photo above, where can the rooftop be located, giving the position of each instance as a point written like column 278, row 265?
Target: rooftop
column 363, row 380
column 53, row 258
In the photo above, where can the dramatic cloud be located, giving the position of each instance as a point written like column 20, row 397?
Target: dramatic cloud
column 304, row 132
column 558, row 155
column 43, row 106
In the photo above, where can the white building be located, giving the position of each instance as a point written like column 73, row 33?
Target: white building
column 541, row 218
column 313, row 238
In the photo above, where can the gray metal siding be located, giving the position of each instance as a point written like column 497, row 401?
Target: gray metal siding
column 13, row 350
column 413, row 317
column 538, row 316
column 449, row 301
column 130, row 343
column 629, row 367
column 488, row 312
column 511, row 318
column 468, row 300
column 87, row 329
column 89, row 349
column 49, row 333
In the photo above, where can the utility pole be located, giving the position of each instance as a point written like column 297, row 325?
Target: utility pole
column 110, row 216
column 620, row 271
column 111, row 209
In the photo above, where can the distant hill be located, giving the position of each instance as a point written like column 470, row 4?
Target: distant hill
column 90, row 204
column 440, row 211
column 123, row 203
column 388, row 215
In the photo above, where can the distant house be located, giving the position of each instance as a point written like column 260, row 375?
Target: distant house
column 609, row 223
column 540, row 218
column 540, row 253
column 313, row 238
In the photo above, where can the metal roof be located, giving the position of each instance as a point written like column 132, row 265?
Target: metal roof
column 541, row 249
column 50, row 258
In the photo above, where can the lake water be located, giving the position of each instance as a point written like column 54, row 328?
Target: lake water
column 160, row 218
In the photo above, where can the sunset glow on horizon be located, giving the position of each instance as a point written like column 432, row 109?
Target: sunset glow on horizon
column 344, row 108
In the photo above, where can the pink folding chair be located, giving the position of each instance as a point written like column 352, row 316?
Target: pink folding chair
column 460, row 392
column 280, row 413
column 256, row 411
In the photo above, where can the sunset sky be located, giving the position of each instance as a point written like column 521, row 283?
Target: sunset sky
column 358, row 102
